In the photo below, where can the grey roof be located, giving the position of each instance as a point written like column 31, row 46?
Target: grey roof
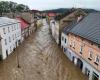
column 69, row 27
column 7, row 21
column 89, row 28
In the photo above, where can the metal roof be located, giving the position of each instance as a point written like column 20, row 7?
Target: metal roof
column 69, row 27
column 7, row 21
column 89, row 28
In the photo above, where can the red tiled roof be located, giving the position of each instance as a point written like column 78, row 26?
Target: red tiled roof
column 24, row 24
column 51, row 14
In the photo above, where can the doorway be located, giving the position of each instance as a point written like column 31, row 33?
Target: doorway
column 79, row 63
column 7, row 53
column 87, row 72
column 73, row 59
column 95, row 76
column 16, row 43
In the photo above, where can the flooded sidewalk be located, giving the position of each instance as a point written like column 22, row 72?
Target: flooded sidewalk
column 40, row 59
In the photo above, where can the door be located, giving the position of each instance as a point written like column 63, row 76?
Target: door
column 87, row 72
column 73, row 59
column 7, row 53
column 16, row 43
column 80, row 64
column 95, row 76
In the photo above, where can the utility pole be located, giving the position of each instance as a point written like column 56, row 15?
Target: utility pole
column 74, row 4
column 18, row 64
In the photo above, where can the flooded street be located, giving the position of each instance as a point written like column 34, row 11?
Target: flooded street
column 40, row 59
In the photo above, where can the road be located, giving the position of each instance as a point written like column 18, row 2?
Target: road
column 40, row 59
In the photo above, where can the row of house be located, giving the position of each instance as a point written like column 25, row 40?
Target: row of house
column 80, row 42
column 12, row 33
column 10, row 36
column 14, row 28
column 57, row 25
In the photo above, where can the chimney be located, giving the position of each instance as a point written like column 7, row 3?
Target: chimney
column 79, row 18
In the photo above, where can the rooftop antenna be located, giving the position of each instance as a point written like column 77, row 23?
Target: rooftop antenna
column 75, row 4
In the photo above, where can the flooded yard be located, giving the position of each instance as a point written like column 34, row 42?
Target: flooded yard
column 40, row 59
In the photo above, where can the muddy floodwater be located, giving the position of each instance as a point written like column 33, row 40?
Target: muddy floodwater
column 40, row 59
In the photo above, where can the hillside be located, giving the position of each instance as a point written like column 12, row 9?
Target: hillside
column 63, row 10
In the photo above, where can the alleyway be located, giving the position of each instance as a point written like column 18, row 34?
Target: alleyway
column 40, row 59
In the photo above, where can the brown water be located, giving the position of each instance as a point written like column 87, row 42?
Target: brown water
column 40, row 59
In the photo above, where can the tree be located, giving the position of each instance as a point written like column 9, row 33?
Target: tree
column 12, row 6
column 8, row 6
column 22, row 8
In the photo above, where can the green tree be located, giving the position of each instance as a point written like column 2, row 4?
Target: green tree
column 8, row 6
column 21, row 8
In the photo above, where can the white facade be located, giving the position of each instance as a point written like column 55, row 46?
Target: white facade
column 64, row 41
column 54, row 26
column 10, row 32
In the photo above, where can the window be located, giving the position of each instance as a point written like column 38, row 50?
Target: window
column 4, row 31
column 81, row 49
column 5, row 42
column 10, row 48
column 64, row 49
column 98, row 46
column 9, row 39
column 74, row 44
column 12, row 28
column 8, row 29
column 13, row 36
column 95, row 76
column 53, row 22
column 62, row 38
column 97, row 60
column 65, row 40
column 87, row 71
column 15, row 27
column 70, row 43
column 90, row 54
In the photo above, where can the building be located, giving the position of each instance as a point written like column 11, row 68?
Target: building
column 24, row 28
column 51, row 15
column 64, row 37
column 10, row 34
column 28, row 18
column 58, row 24
column 83, row 45
column 54, row 28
